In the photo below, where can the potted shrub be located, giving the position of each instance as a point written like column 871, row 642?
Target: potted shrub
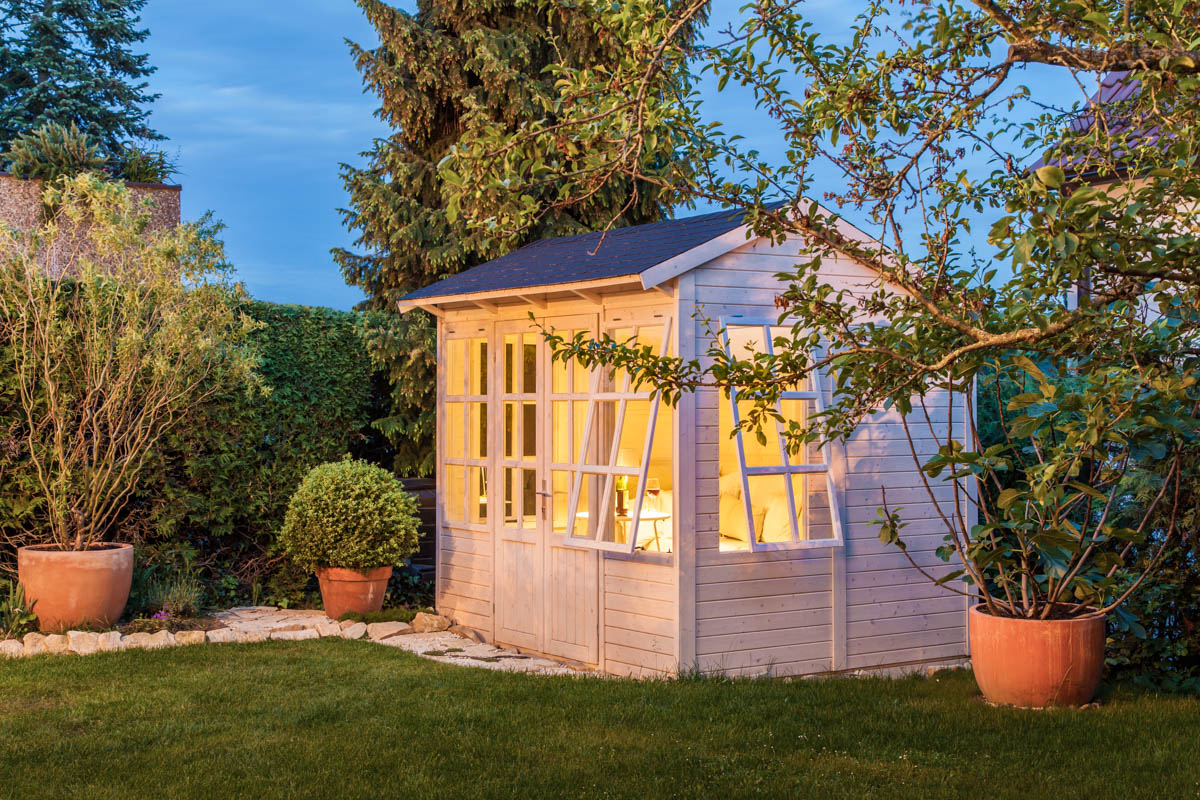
column 111, row 332
column 350, row 522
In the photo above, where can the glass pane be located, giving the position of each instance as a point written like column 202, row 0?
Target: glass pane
column 786, row 332
column 581, row 379
column 477, row 496
column 633, row 433
column 746, row 340
column 614, row 381
column 578, row 421
column 510, row 429
column 529, row 363
column 561, row 483
column 456, row 442
column 769, row 508
column 529, row 498
column 478, row 429
column 560, row 372
column 655, row 530
column 812, row 506
column 510, row 498
column 585, row 518
column 456, row 366
column 529, row 430
column 604, row 429
column 617, row 522
column 560, row 435
column 479, row 356
column 760, row 453
column 510, row 348
column 454, row 493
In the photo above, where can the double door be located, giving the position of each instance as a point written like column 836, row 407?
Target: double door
column 547, row 593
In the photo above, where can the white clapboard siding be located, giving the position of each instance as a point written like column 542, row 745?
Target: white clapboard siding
column 464, row 585
column 639, row 617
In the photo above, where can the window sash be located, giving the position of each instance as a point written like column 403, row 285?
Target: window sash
column 786, row 467
column 611, row 470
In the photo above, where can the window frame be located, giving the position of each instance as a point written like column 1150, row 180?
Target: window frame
column 610, row 470
column 786, row 468
column 470, row 332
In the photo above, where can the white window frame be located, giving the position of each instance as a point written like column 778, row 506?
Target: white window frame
column 785, row 468
column 610, row 470
column 466, row 462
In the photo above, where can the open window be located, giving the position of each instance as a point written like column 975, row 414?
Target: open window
column 772, row 498
column 620, row 443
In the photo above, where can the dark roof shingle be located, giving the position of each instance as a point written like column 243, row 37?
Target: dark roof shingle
column 587, row 256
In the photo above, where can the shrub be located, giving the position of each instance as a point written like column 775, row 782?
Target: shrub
column 143, row 164
column 350, row 514
column 53, row 151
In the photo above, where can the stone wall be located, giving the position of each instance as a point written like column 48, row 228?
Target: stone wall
column 21, row 202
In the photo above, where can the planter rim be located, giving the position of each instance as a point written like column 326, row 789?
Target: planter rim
column 96, row 547
column 364, row 571
column 981, row 609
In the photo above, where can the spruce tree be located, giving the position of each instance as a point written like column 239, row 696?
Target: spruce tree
column 452, row 64
column 71, row 61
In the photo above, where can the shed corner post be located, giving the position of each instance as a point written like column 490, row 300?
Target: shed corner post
column 685, row 482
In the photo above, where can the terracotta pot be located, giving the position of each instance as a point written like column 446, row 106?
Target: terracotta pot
column 1036, row 663
column 355, row 590
column 76, row 588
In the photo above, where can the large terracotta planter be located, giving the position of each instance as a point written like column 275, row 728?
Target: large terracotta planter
column 345, row 590
column 76, row 588
column 1036, row 663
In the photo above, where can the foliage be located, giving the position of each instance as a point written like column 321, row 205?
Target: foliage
column 400, row 614
column 349, row 514
column 16, row 617
column 71, row 62
column 449, row 69
column 116, row 332
column 223, row 477
column 142, row 163
column 53, row 151
column 916, row 124
column 409, row 588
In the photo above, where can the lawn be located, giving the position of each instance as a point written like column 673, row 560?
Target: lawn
column 343, row 719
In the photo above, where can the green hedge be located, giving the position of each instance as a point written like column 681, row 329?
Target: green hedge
column 226, row 474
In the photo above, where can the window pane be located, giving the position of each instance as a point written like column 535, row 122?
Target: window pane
column 786, row 332
column 812, row 506
column 510, row 497
column 454, row 493
column 510, row 429
column 586, row 519
column 797, row 413
column 769, row 508
column 456, row 366
column 510, row 348
column 560, row 433
column 479, row 430
column 581, row 379
column 604, row 429
column 617, row 510
column 477, row 496
column 731, row 516
column 764, row 453
column 479, row 356
column 529, row 364
column 746, row 340
column 655, row 530
column 529, row 498
column 561, row 491
column 456, row 442
column 529, row 430
column 633, row 433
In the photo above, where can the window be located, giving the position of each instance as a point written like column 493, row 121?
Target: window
column 466, row 431
column 613, row 447
column 770, row 498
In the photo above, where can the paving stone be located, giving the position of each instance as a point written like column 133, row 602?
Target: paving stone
column 466, row 633
column 255, row 636
column 328, row 628
column 224, row 635
column 426, row 623
column 110, row 641
column 160, row 639
column 346, row 623
column 355, row 631
column 83, row 643
column 287, row 628
column 294, row 636
column 35, row 644
column 56, row 643
column 12, row 648
column 378, row 631
column 189, row 637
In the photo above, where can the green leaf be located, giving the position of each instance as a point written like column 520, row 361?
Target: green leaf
column 1051, row 176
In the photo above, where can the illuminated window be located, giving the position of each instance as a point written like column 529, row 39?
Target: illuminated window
column 465, row 431
column 613, row 460
column 771, row 498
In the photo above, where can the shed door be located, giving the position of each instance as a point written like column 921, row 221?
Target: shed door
column 546, row 594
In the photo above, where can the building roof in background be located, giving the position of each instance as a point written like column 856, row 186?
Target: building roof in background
column 621, row 252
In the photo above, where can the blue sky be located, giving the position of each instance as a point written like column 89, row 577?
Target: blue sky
column 261, row 101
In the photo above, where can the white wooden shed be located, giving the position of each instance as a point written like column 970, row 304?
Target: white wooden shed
column 582, row 519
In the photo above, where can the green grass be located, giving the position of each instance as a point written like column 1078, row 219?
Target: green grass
column 342, row 719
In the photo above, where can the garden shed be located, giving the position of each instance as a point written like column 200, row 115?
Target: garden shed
column 579, row 517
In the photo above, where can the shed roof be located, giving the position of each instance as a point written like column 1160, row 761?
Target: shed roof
column 621, row 252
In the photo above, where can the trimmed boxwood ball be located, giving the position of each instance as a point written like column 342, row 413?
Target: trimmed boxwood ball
column 350, row 514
